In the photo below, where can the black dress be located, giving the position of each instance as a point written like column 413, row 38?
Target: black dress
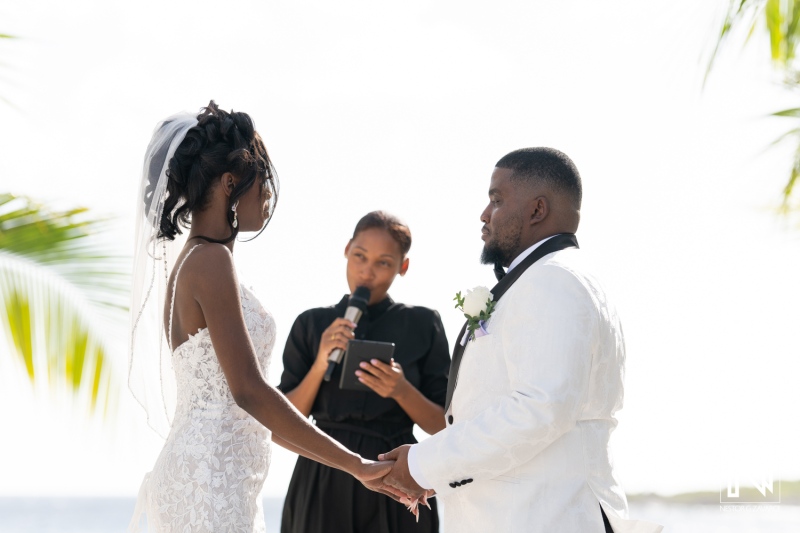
column 321, row 499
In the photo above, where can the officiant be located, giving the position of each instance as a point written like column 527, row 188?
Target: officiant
column 410, row 389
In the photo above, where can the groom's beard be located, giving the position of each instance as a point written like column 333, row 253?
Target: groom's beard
column 501, row 250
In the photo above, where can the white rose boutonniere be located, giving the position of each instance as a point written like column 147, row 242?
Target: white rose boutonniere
column 477, row 307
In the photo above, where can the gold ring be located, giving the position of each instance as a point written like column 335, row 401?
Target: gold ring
column 333, row 336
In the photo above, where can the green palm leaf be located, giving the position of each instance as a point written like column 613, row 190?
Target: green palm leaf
column 781, row 20
column 794, row 112
column 3, row 98
column 61, row 292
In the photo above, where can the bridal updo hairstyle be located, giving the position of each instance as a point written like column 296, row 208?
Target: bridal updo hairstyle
column 392, row 225
column 221, row 142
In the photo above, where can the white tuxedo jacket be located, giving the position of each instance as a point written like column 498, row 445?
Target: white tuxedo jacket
column 526, row 449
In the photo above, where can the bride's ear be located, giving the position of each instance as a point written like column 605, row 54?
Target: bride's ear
column 228, row 182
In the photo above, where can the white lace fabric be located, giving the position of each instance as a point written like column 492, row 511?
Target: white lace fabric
column 209, row 475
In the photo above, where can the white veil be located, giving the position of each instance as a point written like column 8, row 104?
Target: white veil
column 151, row 378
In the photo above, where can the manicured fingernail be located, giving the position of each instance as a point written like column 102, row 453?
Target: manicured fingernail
column 358, row 372
column 373, row 361
column 362, row 364
column 361, row 380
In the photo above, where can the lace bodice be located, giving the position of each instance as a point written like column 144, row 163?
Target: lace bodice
column 200, row 380
column 210, row 472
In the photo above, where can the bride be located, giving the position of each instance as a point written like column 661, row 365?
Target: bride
column 210, row 174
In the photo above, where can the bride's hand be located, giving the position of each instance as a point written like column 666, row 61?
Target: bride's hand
column 365, row 470
column 371, row 474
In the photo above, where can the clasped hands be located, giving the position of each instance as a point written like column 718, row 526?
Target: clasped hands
column 398, row 483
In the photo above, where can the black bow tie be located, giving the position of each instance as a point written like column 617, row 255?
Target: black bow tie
column 499, row 273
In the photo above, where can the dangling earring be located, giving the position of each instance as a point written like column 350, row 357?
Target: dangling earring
column 235, row 216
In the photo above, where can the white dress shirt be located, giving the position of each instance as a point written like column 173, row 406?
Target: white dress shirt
column 517, row 260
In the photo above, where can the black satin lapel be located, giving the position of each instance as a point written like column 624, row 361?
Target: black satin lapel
column 458, row 351
column 559, row 242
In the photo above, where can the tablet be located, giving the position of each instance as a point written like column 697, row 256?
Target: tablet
column 358, row 351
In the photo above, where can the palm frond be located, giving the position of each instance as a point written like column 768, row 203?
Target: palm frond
column 795, row 132
column 789, row 187
column 63, row 242
column 49, row 325
column 741, row 13
column 3, row 98
column 794, row 112
column 781, row 19
column 59, row 289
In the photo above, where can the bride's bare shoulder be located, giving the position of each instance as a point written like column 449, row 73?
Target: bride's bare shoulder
column 209, row 261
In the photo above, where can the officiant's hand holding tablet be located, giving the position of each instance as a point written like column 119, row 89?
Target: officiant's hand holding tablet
column 360, row 364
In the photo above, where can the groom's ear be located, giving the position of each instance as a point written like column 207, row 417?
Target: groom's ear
column 539, row 209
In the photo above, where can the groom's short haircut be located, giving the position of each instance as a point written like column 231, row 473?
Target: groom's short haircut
column 547, row 166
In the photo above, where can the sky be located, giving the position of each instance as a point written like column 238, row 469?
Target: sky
column 406, row 108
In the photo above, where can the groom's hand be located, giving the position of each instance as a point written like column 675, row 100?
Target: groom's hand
column 400, row 477
column 379, row 486
column 371, row 475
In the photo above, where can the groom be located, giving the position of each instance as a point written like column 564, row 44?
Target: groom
column 530, row 405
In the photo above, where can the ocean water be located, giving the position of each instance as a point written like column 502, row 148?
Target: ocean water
column 111, row 515
column 88, row 515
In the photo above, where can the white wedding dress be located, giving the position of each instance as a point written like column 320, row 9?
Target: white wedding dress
column 209, row 475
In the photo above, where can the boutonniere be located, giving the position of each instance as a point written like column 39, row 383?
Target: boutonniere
column 477, row 306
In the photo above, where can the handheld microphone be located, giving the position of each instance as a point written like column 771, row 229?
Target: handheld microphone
column 355, row 307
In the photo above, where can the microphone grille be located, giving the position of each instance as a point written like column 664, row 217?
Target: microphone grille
column 360, row 296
